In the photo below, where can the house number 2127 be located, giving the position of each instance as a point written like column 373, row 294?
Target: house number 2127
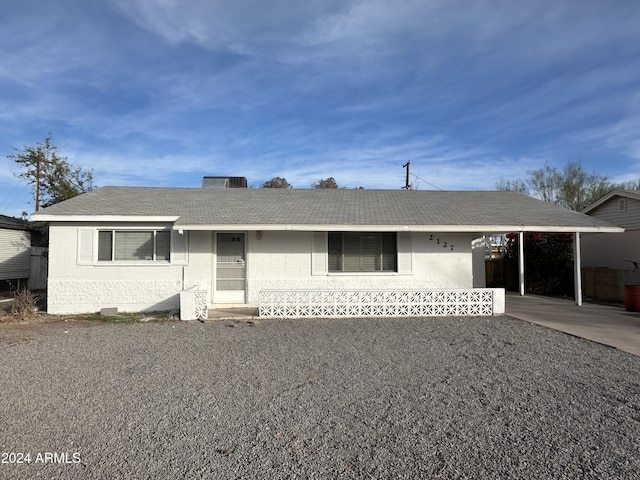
column 444, row 243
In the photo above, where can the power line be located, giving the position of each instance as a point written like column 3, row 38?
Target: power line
column 16, row 191
column 423, row 180
column 409, row 186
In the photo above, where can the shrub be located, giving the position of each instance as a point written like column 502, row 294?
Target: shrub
column 24, row 304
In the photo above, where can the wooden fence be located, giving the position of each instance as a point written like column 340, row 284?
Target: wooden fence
column 39, row 264
column 607, row 284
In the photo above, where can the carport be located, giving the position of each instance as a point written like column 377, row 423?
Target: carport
column 576, row 260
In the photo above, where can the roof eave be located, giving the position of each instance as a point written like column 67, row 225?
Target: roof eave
column 103, row 218
column 400, row 228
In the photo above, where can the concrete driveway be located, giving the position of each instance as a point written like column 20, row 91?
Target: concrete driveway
column 609, row 325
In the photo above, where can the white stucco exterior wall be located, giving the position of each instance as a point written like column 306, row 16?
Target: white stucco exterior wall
column 282, row 260
column 74, row 288
column 479, row 247
column 277, row 260
column 199, row 268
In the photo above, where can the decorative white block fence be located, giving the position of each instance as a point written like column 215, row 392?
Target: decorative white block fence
column 193, row 304
column 366, row 303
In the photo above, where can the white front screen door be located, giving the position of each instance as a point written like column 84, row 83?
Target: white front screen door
column 230, row 268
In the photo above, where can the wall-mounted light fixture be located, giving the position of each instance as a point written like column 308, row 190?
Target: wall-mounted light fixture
column 259, row 234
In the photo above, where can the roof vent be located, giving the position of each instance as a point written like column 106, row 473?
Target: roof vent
column 622, row 205
column 224, row 182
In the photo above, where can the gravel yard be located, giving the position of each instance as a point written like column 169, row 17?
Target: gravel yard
column 367, row 398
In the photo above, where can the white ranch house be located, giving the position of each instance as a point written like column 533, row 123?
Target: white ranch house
column 288, row 252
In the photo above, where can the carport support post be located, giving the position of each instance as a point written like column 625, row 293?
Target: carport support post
column 521, row 262
column 576, row 268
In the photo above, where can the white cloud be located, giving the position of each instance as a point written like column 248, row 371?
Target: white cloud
column 160, row 90
column 241, row 27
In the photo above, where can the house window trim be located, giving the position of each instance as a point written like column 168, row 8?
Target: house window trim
column 362, row 274
column 113, row 262
column 393, row 272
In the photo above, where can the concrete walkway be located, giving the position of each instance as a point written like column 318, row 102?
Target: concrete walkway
column 612, row 326
column 232, row 313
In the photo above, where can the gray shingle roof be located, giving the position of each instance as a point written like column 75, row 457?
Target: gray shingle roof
column 13, row 223
column 218, row 207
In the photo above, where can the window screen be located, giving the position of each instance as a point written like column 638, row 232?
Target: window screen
column 127, row 245
column 362, row 252
column 105, row 246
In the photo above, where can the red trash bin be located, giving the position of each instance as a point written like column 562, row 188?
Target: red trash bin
column 632, row 298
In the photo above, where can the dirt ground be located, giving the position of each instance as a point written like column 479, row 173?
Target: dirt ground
column 15, row 330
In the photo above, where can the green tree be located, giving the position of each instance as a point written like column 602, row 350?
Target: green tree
column 572, row 187
column 325, row 183
column 51, row 176
column 276, row 182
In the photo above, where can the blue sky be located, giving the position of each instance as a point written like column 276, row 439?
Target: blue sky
column 162, row 92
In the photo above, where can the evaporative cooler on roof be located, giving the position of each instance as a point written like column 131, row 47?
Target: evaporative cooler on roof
column 224, row 182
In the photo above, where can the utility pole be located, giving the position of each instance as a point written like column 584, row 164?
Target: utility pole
column 407, row 186
column 38, row 184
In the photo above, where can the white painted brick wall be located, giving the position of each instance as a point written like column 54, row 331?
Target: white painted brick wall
column 85, row 296
column 279, row 260
column 74, row 288
column 282, row 261
column 200, row 269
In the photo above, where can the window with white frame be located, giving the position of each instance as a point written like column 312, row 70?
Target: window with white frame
column 362, row 252
column 134, row 245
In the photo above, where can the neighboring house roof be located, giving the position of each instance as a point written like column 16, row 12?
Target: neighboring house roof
column 12, row 223
column 634, row 194
column 323, row 209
